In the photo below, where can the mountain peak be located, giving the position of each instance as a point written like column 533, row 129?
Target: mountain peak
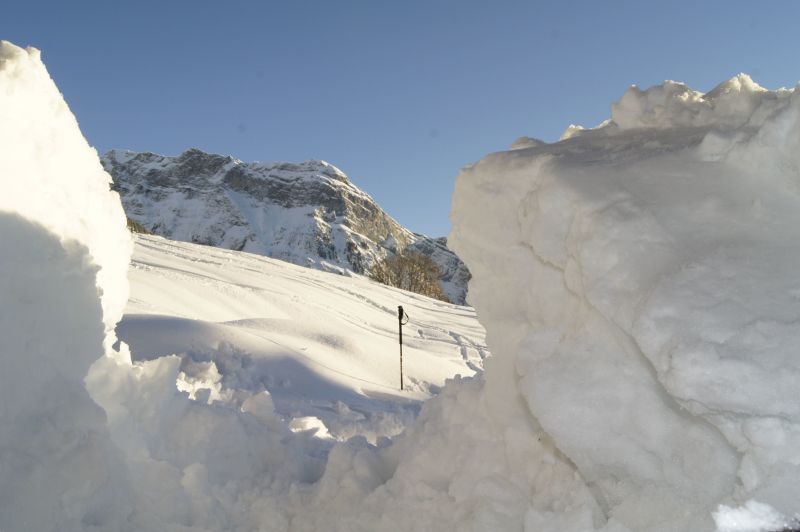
column 307, row 213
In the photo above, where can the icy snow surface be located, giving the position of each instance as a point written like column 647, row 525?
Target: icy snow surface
column 752, row 517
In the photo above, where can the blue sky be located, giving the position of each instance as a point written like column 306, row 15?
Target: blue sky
column 399, row 95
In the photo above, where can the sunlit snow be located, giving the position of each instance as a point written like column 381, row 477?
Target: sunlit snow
column 638, row 284
column 321, row 345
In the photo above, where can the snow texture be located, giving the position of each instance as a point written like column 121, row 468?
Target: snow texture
column 52, row 176
column 638, row 285
column 752, row 517
column 63, row 288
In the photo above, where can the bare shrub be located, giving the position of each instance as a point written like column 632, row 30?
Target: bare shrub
column 410, row 271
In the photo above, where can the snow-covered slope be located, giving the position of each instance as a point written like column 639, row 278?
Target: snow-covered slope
column 322, row 345
column 308, row 213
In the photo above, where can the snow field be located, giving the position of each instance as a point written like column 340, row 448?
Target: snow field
column 322, row 345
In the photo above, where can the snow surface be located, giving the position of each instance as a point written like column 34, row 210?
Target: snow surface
column 63, row 288
column 40, row 138
column 752, row 517
column 321, row 345
column 639, row 289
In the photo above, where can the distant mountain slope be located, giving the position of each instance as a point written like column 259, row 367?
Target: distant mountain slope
column 307, row 213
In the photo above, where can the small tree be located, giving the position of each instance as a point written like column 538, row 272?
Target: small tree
column 410, row 271
column 136, row 227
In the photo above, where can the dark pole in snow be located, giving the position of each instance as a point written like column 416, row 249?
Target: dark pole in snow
column 400, row 314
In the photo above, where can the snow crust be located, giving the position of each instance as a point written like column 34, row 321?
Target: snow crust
column 638, row 285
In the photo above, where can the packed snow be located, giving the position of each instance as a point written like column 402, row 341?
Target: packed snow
column 639, row 289
column 63, row 288
column 306, row 213
column 637, row 285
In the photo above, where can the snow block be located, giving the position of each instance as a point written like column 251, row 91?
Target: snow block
column 638, row 283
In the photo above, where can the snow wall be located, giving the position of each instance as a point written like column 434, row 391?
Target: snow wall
column 636, row 281
column 89, row 440
column 63, row 287
column 639, row 286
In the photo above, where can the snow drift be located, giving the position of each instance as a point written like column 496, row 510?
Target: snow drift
column 63, row 287
column 149, row 457
column 52, row 176
column 638, row 282
column 323, row 346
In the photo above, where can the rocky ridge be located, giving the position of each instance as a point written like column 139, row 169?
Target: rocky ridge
column 306, row 213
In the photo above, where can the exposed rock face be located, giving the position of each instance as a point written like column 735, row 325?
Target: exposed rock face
column 306, row 213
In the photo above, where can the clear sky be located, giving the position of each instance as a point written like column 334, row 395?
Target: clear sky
column 398, row 94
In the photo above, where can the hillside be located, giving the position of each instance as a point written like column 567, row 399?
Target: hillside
column 306, row 213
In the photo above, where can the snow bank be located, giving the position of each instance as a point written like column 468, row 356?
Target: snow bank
column 52, row 176
column 63, row 287
column 58, row 468
column 638, row 283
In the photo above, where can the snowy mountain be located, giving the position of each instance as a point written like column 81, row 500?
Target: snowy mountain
column 308, row 213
